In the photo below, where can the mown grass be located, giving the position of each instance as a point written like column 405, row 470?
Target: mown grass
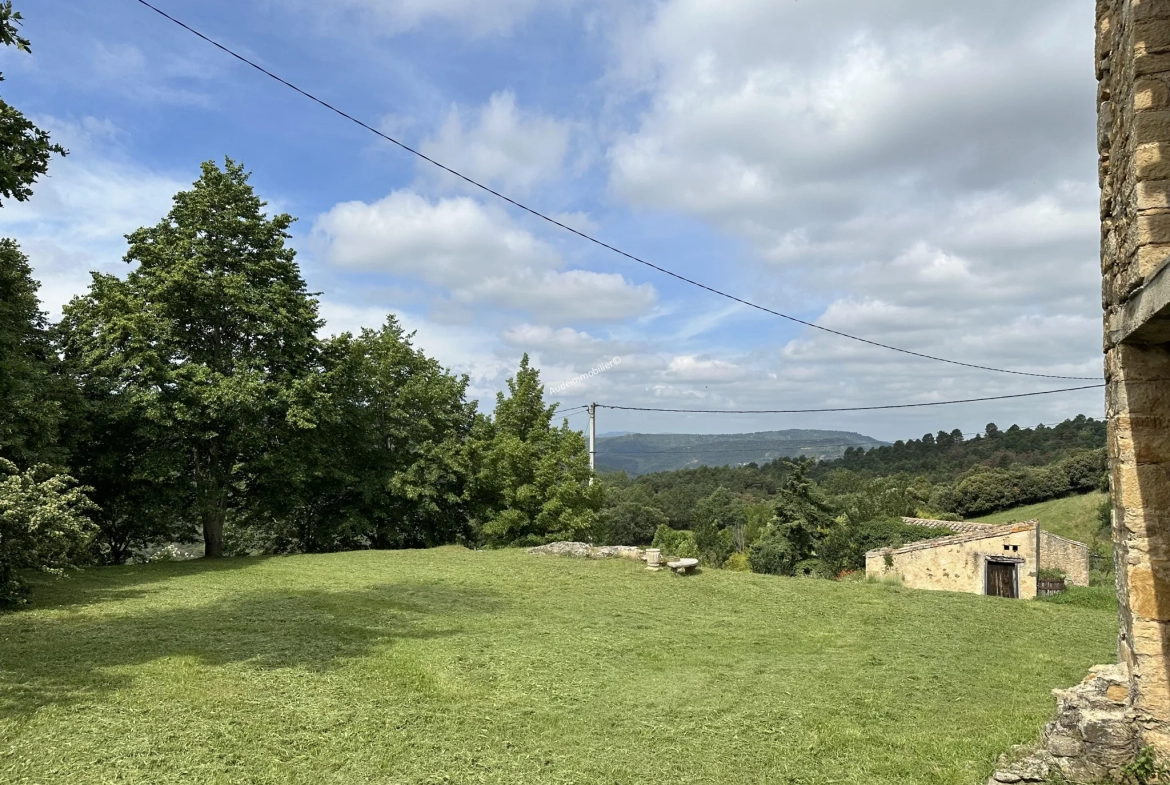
column 1102, row 597
column 452, row 666
column 1074, row 517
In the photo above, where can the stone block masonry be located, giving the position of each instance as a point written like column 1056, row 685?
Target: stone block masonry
column 1092, row 738
column 1132, row 65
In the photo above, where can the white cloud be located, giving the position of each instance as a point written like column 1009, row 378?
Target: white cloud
column 704, row 370
column 502, row 146
column 474, row 254
column 919, row 174
column 448, row 242
column 78, row 216
column 567, row 348
column 571, row 296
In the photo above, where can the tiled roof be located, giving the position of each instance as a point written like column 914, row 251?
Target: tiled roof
column 982, row 532
column 960, row 527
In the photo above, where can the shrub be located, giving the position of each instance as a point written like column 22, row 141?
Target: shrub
column 43, row 526
column 714, row 544
column 1099, row 597
column 938, row 516
column 773, row 555
column 1103, row 578
column 1105, row 518
column 845, row 546
column 672, row 542
column 629, row 523
column 737, row 562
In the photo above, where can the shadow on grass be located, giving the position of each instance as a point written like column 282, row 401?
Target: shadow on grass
column 102, row 584
column 52, row 660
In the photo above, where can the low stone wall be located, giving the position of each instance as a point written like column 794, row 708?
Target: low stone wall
column 1090, row 740
column 583, row 550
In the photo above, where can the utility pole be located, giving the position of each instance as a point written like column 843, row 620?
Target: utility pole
column 592, row 439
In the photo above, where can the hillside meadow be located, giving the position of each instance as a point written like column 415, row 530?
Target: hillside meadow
column 1074, row 517
column 457, row 666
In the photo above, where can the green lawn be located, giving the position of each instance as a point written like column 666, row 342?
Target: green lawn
column 1074, row 517
column 452, row 666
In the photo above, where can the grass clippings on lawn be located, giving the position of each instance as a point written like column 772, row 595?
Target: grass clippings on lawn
column 452, row 666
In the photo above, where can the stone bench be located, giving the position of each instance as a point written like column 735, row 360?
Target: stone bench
column 683, row 566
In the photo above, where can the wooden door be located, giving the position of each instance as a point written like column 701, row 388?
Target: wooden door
column 1001, row 579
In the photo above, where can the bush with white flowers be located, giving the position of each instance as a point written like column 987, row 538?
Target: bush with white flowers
column 43, row 526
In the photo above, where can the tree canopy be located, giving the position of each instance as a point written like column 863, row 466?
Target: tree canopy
column 211, row 336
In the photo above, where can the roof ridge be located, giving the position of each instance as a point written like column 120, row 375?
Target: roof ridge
column 990, row 530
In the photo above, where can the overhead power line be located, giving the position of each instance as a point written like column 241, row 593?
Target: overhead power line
column 583, row 235
column 849, row 408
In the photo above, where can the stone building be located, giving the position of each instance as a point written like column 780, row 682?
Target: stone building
column 981, row 558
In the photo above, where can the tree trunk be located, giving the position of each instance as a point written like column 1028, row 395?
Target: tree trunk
column 215, row 512
column 213, row 533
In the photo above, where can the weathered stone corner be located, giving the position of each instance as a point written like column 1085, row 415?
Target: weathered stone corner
column 1091, row 739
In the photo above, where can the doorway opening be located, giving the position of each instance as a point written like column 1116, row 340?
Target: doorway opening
column 1002, row 579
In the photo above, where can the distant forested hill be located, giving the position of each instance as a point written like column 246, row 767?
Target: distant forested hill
column 643, row 453
column 931, row 476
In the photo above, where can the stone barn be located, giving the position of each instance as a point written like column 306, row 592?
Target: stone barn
column 981, row 558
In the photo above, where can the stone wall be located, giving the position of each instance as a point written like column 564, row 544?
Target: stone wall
column 1132, row 61
column 1068, row 555
column 583, row 550
column 957, row 563
column 1090, row 740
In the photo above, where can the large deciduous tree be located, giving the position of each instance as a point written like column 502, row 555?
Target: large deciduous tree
column 210, row 337
column 386, row 465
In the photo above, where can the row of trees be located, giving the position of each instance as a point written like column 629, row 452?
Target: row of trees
column 43, row 514
column 193, row 399
column 943, row 456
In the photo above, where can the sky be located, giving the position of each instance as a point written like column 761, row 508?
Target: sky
column 922, row 174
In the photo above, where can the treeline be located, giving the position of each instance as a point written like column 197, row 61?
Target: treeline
column 944, row 456
column 802, row 517
column 800, row 528
column 192, row 399
column 985, row 489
